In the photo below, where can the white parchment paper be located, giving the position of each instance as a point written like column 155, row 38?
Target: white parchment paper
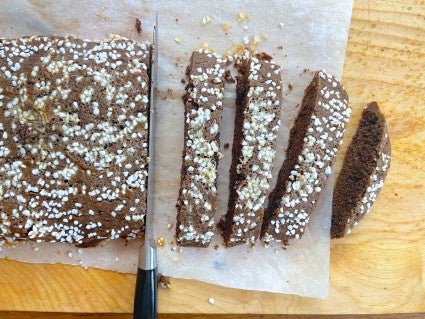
column 301, row 35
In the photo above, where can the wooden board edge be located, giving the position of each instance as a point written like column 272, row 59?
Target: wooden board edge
column 57, row 315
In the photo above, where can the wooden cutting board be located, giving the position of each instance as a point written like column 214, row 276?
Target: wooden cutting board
column 379, row 268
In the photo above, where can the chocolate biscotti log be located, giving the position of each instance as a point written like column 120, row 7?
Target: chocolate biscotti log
column 73, row 139
column 363, row 173
column 258, row 105
column 313, row 144
column 197, row 201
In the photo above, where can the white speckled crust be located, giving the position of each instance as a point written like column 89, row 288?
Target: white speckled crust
column 73, row 139
column 376, row 183
column 253, row 165
column 198, row 191
column 288, row 215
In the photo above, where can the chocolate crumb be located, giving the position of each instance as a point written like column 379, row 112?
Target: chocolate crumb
column 280, row 47
column 228, row 77
column 183, row 81
column 290, row 86
column 216, row 247
column 226, row 145
column 263, row 56
column 164, row 281
column 138, row 26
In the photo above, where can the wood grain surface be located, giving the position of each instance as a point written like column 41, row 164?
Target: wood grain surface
column 56, row 315
column 378, row 269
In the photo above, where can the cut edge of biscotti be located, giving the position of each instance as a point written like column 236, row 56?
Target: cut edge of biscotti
column 257, row 121
column 203, row 100
column 314, row 142
column 363, row 173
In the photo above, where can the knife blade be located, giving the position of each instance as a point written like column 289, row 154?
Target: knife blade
column 145, row 299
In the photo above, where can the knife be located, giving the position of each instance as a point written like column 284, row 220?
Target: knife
column 145, row 300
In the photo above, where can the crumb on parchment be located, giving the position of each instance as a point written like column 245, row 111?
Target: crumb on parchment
column 207, row 19
column 160, row 242
column 138, row 26
column 226, row 26
column 243, row 17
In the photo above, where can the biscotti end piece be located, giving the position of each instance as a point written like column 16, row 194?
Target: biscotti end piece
column 259, row 101
column 313, row 144
column 197, row 201
column 73, row 139
column 363, row 173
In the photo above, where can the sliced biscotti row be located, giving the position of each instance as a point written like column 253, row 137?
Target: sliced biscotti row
column 363, row 172
column 258, row 105
column 73, row 139
column 197, row 201
column 313, row 144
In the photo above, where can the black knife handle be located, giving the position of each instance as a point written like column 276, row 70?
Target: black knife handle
column 145, row 306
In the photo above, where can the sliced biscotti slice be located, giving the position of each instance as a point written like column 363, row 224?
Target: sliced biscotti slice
column 258, row 105
column 197, row 199
column 363, row 172
column 313, row 144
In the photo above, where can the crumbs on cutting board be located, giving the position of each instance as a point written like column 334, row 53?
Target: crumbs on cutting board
column 164, row 281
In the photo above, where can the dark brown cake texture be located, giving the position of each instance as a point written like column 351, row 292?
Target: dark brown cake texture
column 313, row 144
column 197, row 201
column 363, row 173
column 73, row 139
column 258, row 105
